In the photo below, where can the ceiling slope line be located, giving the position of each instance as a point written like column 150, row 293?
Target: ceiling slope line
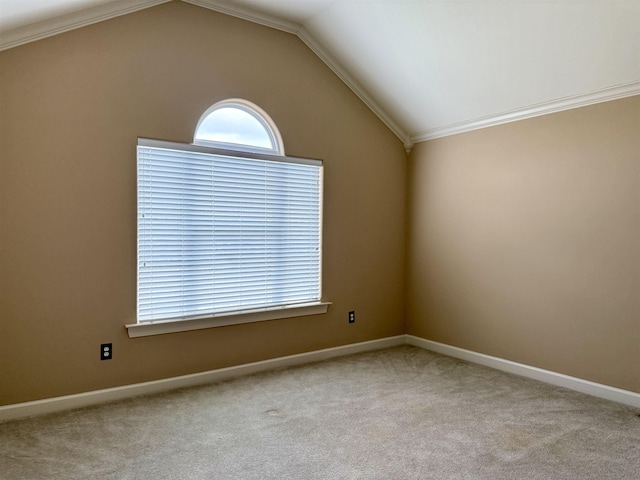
column 247, row 14
column 64, row 23
column 317, row 49
column 566, row 103
column 360, row 92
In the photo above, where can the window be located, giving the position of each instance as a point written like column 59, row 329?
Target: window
column 237, row 125
column 229, row 228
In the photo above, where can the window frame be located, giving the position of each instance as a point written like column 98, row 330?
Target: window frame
column 162, row 326
column 256, row 112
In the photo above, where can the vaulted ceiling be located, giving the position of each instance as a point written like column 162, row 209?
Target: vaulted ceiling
column 427, row 68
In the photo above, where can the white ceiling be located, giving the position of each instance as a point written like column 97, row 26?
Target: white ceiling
column 427, row 68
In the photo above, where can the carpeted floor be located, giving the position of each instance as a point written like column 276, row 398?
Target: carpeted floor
column 402, row 413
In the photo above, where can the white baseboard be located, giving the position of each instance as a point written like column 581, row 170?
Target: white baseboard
column 584, row 386
column 67, row 402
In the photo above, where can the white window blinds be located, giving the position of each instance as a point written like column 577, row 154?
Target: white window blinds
column 220, row 232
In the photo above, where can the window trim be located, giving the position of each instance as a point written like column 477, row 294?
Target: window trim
column 159, row 327
column 173, row 325
column 190, row 147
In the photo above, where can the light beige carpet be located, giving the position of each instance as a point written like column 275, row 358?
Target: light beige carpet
column 402, row 413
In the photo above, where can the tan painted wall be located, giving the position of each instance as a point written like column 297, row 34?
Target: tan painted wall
column 71, row 108
column 524, row 242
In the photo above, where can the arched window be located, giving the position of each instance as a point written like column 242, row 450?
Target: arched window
column 238, row 125
column 229, row 228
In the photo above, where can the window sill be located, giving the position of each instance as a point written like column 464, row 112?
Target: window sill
column 223, row 320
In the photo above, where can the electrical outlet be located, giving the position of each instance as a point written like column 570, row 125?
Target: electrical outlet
column 106, row 351
column 352, row 317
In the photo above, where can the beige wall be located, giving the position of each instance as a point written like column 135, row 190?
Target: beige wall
column 522, row 238
column 524, row 242
column 71, row 108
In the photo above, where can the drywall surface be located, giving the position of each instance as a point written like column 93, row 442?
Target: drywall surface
column 524, row 242
column 71, row 109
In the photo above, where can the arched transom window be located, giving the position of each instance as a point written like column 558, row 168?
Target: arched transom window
column 238, row 125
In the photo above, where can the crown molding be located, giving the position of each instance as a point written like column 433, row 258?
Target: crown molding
column 545, row 108
column 64, row 23
column 348, row 80
column 245, row 13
